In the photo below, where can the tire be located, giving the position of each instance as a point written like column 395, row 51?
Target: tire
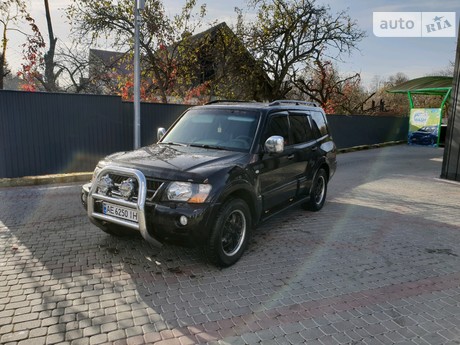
column 229, row 235
column 318, row 192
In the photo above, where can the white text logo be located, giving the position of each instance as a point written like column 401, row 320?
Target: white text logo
column 414, row 24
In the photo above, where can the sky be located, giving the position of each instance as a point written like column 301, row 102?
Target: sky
column 377, row 57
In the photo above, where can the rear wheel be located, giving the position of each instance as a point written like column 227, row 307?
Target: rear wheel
column 229, row 236
column 318, row 192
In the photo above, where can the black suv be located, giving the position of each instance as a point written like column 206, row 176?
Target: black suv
column 215, row 174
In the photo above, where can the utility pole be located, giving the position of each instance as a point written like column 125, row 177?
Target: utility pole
column 138, row 6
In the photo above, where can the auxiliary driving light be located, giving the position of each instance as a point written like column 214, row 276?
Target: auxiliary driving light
column 183, row 220
column 105, row 184
column 127, row 188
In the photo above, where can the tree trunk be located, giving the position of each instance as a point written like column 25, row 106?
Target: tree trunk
column 3, row 57
column 50, row 77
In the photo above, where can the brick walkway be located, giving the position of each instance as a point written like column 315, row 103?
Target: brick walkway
column 378, row 265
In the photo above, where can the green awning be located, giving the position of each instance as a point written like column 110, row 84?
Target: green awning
column 425, row 86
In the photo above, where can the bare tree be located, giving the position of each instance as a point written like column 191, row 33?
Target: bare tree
column 389, row 103
column 288, row 34
column 447, row 71
column 336, row 93
column 49, row 81
column 73, row 64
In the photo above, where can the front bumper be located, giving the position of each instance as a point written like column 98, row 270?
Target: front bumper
column 157, row 222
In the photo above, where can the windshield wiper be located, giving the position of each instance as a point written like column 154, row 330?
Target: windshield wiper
column 206, row 146
column 172, row 143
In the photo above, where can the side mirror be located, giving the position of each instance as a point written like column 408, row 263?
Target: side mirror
column 274, row 144
column 160, row 133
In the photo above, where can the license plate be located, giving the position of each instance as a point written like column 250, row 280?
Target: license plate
column 119, row 212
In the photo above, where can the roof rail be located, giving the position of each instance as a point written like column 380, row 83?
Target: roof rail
column 228, row 101
column 287, row 101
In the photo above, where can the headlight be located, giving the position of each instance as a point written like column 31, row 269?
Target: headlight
column 188, row 192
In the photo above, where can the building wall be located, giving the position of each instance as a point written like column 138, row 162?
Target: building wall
column 451, row 160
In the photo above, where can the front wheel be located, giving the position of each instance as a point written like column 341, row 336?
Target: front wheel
column 229, row 236
column 318, row 192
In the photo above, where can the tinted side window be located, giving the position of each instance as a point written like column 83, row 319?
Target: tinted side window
column 300, row 128
column 319, row 122
column 278, row 125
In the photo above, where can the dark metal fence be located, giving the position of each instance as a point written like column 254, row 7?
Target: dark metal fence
column 50, row 133
column 358, row 130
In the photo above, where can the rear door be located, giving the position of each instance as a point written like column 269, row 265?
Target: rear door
column 305, row 148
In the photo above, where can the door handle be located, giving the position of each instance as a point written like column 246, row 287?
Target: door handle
column 314, row 148
column 290, row 156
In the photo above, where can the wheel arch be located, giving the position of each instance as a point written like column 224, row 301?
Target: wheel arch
column 326, row 168
column 321, row 164
column 244, row 193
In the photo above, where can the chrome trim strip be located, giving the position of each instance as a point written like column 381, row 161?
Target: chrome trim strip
column 115, row 220
column 119, row 202
column 139, row 206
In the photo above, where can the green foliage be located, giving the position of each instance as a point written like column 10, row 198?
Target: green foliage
column 11, row 13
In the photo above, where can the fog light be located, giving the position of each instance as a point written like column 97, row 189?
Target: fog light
column 127, row 188
column 105, row 185
column 183, row 220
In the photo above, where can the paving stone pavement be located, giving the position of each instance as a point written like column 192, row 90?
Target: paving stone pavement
column 378, row 265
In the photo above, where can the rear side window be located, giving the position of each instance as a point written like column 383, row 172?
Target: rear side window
column 319, row 123
column 295, row 128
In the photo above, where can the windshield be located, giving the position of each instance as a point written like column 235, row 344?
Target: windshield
column 431, row 129
column 215, row 128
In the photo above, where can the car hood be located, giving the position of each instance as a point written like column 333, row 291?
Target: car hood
column 175, row 162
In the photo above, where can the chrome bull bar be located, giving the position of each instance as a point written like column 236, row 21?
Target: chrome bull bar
column 138, row 206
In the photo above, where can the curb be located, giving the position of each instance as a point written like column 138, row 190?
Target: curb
column 86, row 176
column 45, row 179
column 374, row 146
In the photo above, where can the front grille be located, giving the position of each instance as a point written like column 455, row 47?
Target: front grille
column 152, row 187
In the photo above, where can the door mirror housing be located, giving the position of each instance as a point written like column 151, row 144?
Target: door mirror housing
column 274, row 144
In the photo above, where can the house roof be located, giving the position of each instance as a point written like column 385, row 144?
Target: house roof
column 111, row 60
column 199, row 38
column 212, row 31
column 116, row 59
column 106, row 55
column 433, row 85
